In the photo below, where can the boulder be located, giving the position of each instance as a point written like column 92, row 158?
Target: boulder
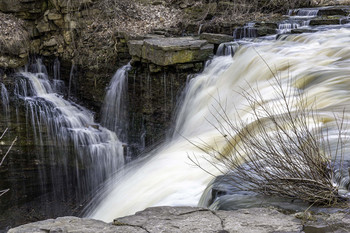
column 14, row 42
column 334, row 10
column 189, row 219
column 216, row 38
column 325, row 21
column 171, row 51
column 135, row 47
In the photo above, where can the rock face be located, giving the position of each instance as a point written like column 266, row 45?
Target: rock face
column 153, row 93
column 216, row 38
column 186, row 219
column 170, row 51
column 68, row 224
column 196, row 220
column 14, row 42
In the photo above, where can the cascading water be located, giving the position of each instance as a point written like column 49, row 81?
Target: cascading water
column 247, row 31
column 318, row 65
column 303, row 12
column 114, row 110
column 73, row 141
column 228, row 48
column 298, row 18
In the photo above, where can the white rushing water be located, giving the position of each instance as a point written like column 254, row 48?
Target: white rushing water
column 115, row 104
column 96, row 151
column 317, row 65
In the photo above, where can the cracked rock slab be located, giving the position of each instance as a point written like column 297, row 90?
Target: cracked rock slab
column 170, row 219
column 171, row 51
column 73, row 225
column 195, row 220
column 186, row 219
column 258, row 220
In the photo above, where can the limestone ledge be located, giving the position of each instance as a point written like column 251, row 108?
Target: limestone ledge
column 194, row 219
column 171, row 51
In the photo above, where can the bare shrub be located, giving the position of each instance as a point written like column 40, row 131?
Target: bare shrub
column 2, row 192
column 283, row 149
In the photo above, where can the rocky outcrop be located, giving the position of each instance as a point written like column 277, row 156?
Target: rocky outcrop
column 216, row 39
column 153, row 93
column 70, row 224
column 14, row 42
column 187, row 219
column 171, row 51
column 24, row 9
column 190, row 219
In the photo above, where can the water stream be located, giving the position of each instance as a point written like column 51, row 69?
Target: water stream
column 115, row 104
column 316, row 65
column 67, row 135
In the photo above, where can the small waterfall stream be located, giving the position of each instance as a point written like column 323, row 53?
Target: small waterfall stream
column 5, row 100
column 68, row 135
column 298, row 18
column 318, row 65
column 114, row 109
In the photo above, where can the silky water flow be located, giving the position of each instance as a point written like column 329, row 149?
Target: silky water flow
column 316, row 65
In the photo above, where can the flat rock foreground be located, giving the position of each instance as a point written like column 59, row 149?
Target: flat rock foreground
column 190, row 219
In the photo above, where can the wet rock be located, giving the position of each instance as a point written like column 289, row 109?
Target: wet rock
column 302, row 30
column 170, row 51
column 265, row 28
column 325, row 21
column 214, row 38
column 135, row 47
column 335, row 10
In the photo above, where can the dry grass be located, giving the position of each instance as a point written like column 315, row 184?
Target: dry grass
column 136, row 17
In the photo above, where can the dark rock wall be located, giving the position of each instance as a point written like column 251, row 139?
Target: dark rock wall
column 152, row 100
column 30, row 171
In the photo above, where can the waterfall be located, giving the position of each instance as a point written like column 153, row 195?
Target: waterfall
column 247, row 31
column 287, row 27
column 5, row 100
column 317, row 65
column 114, row 110
column 228, row 48
column 72, row 80
column 72, row 138
column 304, row 12
column 298, row 18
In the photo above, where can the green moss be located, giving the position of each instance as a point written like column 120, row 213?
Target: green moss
column 183, row 56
